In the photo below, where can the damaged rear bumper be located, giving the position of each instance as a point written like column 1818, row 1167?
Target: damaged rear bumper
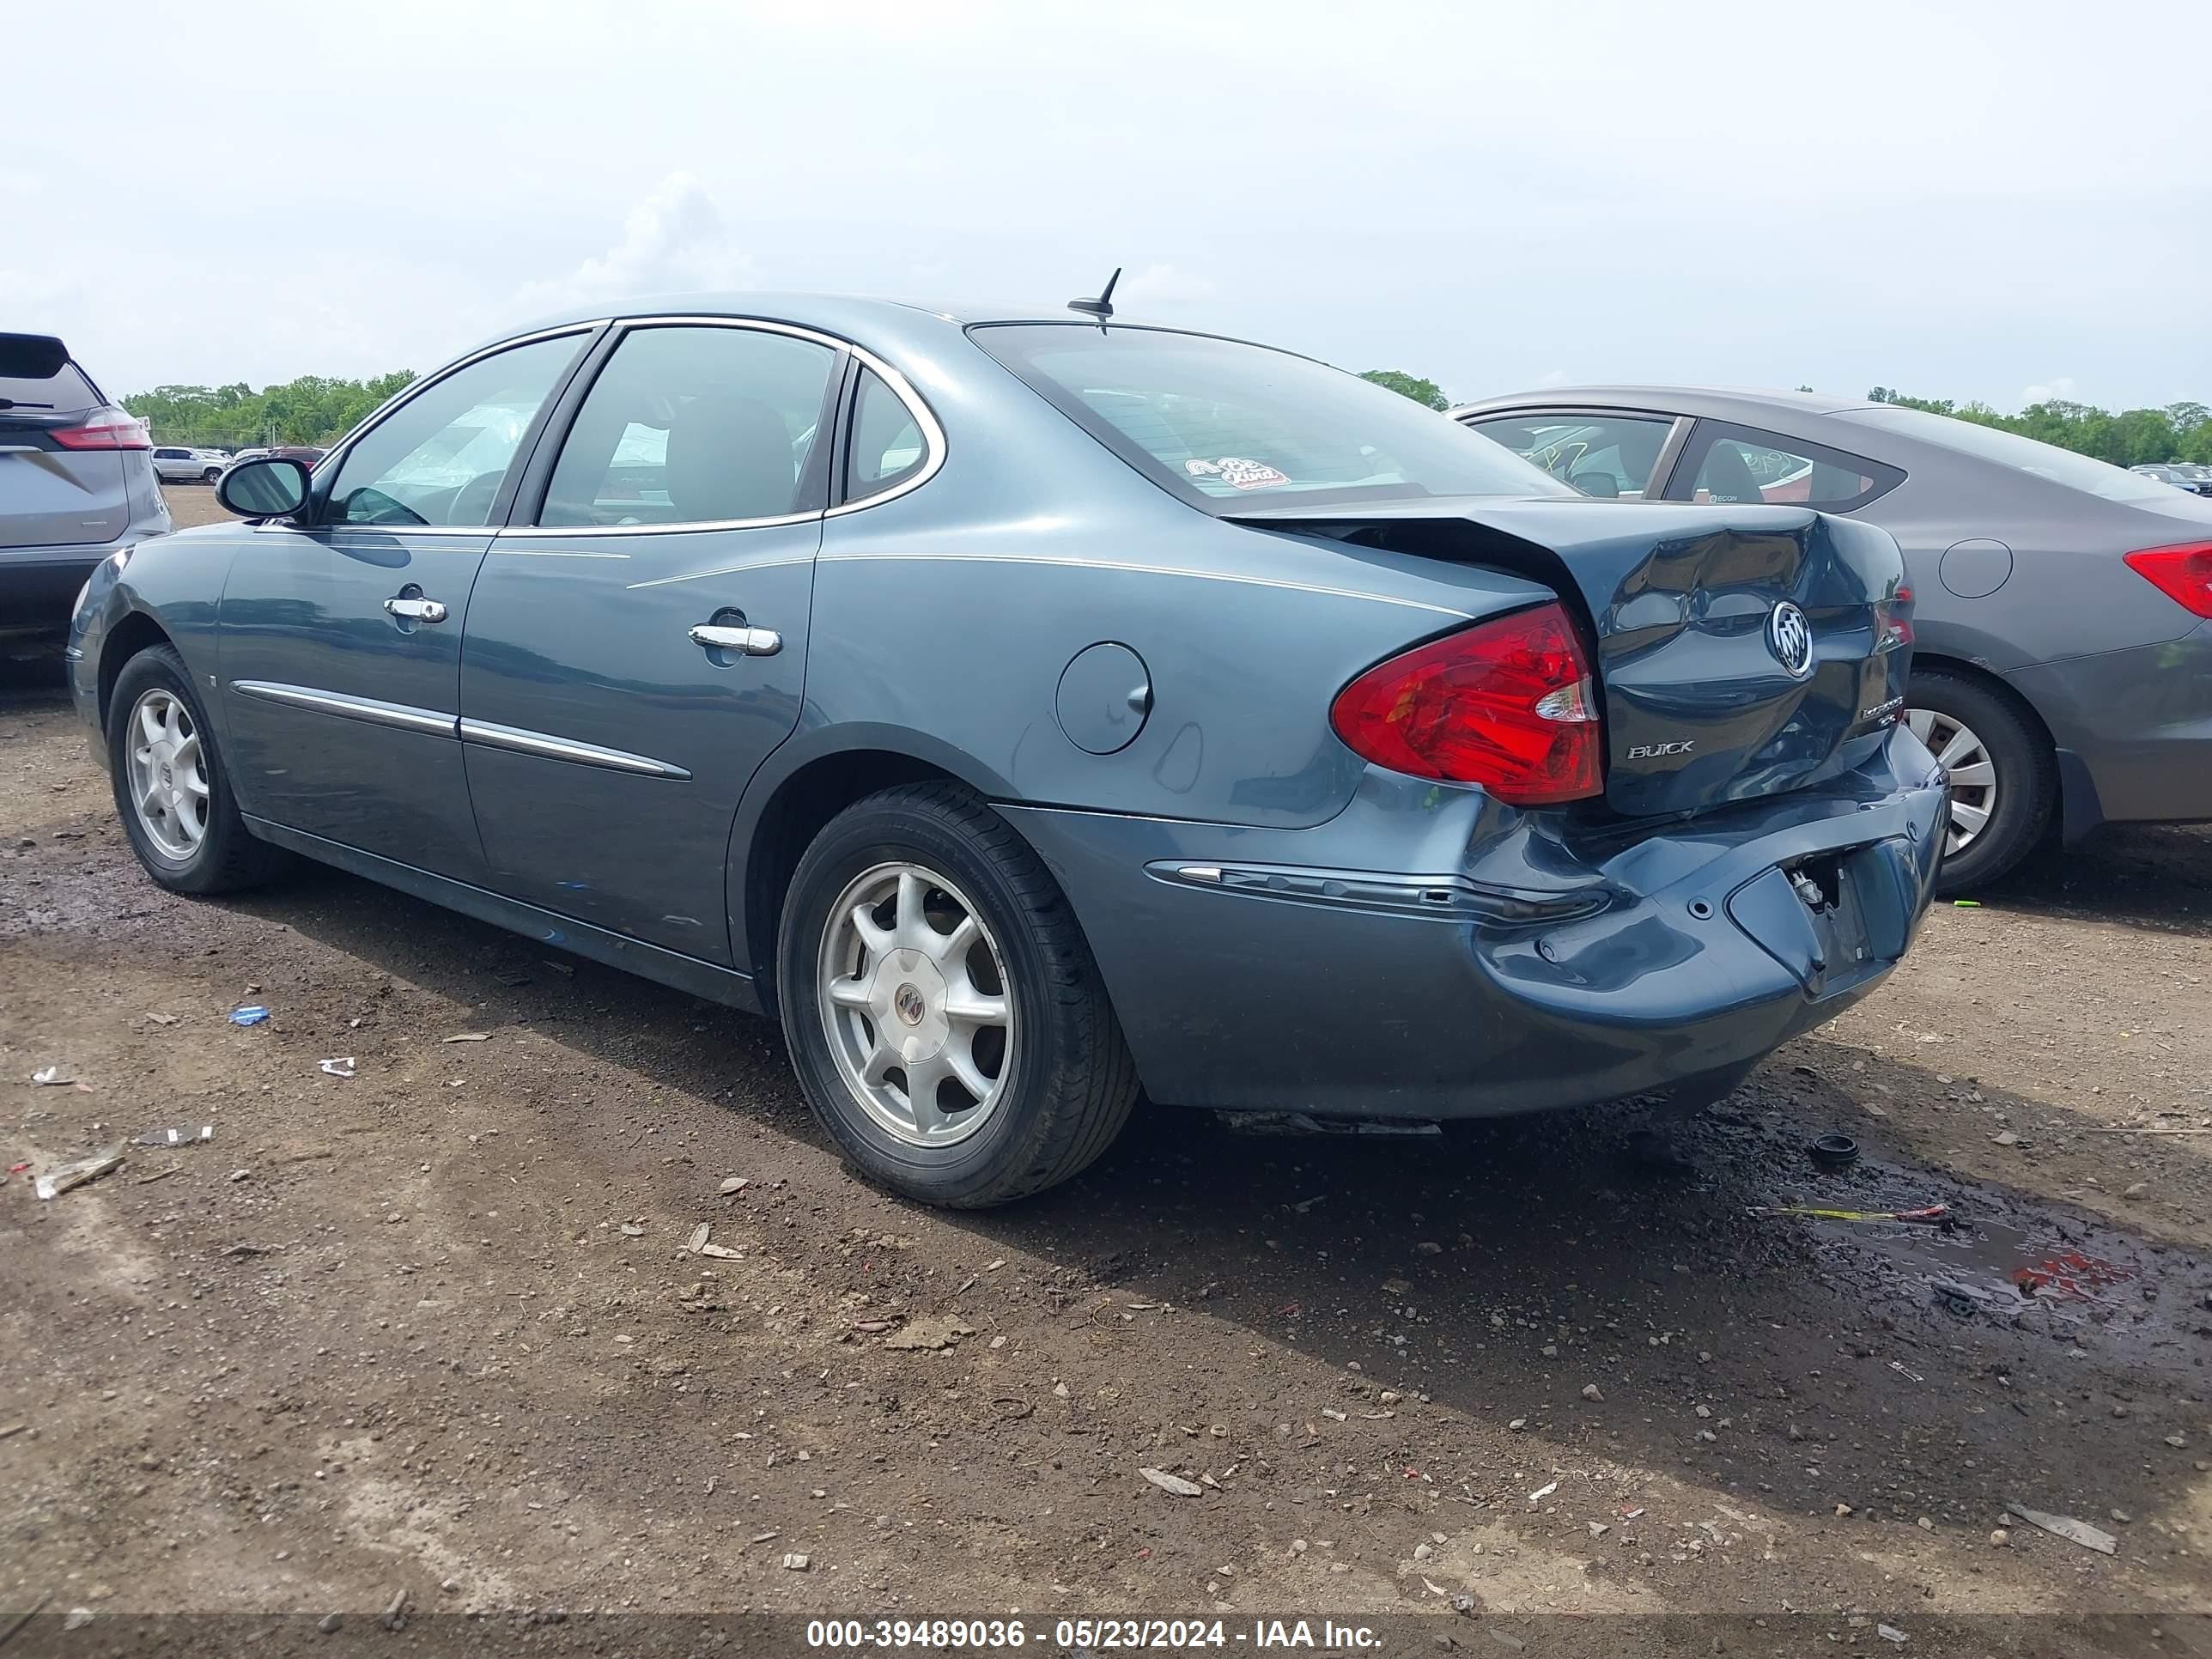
column 1429, row 954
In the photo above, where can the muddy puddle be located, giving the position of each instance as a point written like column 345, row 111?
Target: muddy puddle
column 1980, row 1257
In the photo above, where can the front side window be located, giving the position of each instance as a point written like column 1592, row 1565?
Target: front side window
column 441, row 456
column 887, row 446
column 693, row 425
column 1605, row 455
column 1730, row 467
column 1224, row 424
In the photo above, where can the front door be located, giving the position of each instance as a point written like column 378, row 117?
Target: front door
column 340, row 641
column 637, row 644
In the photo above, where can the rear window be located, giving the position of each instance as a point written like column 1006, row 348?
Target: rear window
column 67, row 391
column 1989, row 443
column 1219, row 421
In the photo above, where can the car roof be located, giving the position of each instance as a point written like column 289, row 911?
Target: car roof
column 854, row 315
column 1716, row 402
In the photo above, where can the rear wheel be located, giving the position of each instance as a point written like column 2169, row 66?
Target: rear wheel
column 943, row 1013
column 2004, row 781
column 170, row 790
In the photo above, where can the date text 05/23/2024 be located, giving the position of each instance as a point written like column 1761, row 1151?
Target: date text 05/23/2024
column 1089, row 1635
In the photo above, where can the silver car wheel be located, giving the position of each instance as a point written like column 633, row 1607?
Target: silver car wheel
column 915, row 1001
column 168, row 773
column 1973, row 774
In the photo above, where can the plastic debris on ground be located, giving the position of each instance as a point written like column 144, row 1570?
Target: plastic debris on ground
column 53, row 1077
column 341, row 1066
column 1173, row 1483
column 2066, row 1527
column 184, row 1137
column 1543, row 1491
column 1937, row 1215
column 56, row 1182
column 252, row 1014
column 470, row 1036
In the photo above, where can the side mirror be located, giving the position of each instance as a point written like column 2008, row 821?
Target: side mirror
column 274, row 487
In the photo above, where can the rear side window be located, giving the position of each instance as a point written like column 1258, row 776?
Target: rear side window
column 692, row 425
column 1224, row 424
column 887, row 446
column 1733, row 465
column 1609, row 456
column 63, row 393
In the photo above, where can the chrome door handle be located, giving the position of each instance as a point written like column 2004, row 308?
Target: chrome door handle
column 423, row 610
column 746, row 642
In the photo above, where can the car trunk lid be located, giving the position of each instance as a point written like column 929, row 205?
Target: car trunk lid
column 1740, row 651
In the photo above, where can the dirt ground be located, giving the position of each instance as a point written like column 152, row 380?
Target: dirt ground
column 433, row 1327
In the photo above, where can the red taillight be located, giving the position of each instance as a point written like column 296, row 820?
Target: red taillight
column 2183, row 573
column 1507, row 704
column 106, row 429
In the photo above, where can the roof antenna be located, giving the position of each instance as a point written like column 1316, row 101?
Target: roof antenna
column 1102, row 306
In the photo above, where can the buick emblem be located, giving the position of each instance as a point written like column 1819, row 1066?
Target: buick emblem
column 1790, row 635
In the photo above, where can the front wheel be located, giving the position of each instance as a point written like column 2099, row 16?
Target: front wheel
column 943, row 1010
column 2004, row 780
column 171, row 789
column 211, row 476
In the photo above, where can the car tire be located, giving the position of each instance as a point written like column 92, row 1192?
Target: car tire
column 212, row 475
column 173, row 791
column 1004, row 1118
column 2005, row 779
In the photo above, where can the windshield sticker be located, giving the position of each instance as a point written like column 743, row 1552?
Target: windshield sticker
column 1237, row 471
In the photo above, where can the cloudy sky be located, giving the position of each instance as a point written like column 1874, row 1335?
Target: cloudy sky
column 1996, row 201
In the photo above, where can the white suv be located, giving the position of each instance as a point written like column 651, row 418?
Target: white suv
column 176, row 466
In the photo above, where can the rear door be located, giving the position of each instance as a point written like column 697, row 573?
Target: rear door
column 340, row 641
column 637, row 642
column 55, row 491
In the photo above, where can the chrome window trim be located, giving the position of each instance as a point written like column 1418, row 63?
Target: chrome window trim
column 404, row 717
column 522, row 741
column 932, row 434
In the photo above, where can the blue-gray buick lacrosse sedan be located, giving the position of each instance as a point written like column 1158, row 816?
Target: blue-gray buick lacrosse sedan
column 1032, row 710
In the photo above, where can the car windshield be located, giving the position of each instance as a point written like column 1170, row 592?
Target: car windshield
column 1989, row 443
column 1219, row 421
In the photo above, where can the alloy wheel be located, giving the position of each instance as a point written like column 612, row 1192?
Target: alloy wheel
column 168, row 773
column 915, row 1001
column 1973, row 774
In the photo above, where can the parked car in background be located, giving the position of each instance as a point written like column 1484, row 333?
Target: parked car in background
column 175, row 465
column 2182, row 475
column 2064, row 607
column 76, row 482
column 1026, row 707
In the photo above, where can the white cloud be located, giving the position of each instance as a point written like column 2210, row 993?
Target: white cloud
column 2060, row 386
column 672, row 241
column 1161, row 285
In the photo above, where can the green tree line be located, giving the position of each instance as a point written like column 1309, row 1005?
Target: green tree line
column 312, row 410
column 2133, row 437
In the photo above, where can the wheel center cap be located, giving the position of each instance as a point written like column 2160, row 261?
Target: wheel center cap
column 168, row 777
column 907, row 999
